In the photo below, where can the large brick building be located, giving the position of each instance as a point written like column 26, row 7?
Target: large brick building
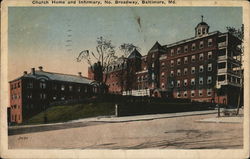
column 35, row 91
column 206, row 67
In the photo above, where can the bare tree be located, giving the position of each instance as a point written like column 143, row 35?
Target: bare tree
column 104, row 55
column 126, row 73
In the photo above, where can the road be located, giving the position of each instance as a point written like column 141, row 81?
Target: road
column 179, row 132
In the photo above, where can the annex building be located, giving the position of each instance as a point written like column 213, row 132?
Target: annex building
column 204, row 68
column 34, row 92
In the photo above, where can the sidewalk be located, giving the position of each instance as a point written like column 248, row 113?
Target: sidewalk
column 238, row 119
column 113, row 119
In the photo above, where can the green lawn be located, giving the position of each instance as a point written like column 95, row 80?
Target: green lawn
column 73, row 112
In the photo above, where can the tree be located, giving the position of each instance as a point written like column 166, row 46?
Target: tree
column 104, row 56
column 126, row 73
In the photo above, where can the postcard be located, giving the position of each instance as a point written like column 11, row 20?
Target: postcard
column 124, row 79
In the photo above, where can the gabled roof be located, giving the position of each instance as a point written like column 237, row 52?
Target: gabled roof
column 157, row 47
column 135, row 54
column 56, row 77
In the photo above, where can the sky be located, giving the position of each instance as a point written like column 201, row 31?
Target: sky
column 53, row 37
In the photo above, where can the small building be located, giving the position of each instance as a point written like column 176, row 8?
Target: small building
column 34, row 92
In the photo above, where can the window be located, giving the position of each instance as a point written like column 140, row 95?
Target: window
column 178, row 83
column 185, row 60
column 153, row 65
column 172, row 74
column 138, row 79
column 62, row 87
column 192, row 93
column 209, row 92
column 209, row 67
column 193, row 81
column 201, row 68
column 221, row 78
column 162, row 85
column 221, row 65
column 209, row 79
column 178, row 50
column 185, row 82
column 178, row 94
column 193, row 70
column 29, row 96
column 193, row 58
column 42, row 85
column 210, row 42
column 185, row 71
column 62, row 98
column 178, row 72
column 162, row 74
column 153, row 55
column 201, row 45
column 193, row 46
column 162, row 64
column 178, row 61
column 172, row 83
column 54, row 98
column 209, row 55
column 201, row 80
column 153, row 76
column 172, row 63
column 145, row 68
column 70, row 88
column 186, row 48
column 222, row 52
column 30, row 85
column 185, row 93
column 200, row 93
column 172, row 52
column 79, row 89
column 201, row 56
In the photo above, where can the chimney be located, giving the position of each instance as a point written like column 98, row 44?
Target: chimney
column 24, row 72
column 40, row 68
column 33, row 71
column 80, row 74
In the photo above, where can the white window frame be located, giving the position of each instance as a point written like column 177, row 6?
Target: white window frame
column 209, row 55
column 178, row 50
column 193, row 58
column 192, row 93
column 193, row 81
column 185, row 82
column 172, row 63
column 185, row 93
column 186, row 48
column 178, row 83
column 185, row 60
column 201, row 81
column 201, row 46
column 209, row 90
column 172, row 73
column 201, row 68
column 210, row 41
column 185, row 71
column 209, row 67
column 179, row 72
column 192, row 70
column 201, row 56
column 172, row 52
column 209, row 79
column 200, row 93
column 193, row 46
column 179, row 61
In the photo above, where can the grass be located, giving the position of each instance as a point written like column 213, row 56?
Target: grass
column 73, row 112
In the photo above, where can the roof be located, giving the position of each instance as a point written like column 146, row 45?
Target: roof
column 157, row 47
column 202, row 23
column 135, row 54
column 191, row 39
column 57, row 77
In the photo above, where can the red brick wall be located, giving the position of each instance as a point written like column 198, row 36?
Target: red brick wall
column 16, row 101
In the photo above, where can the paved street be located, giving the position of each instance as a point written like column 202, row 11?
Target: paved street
column 182, row 131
